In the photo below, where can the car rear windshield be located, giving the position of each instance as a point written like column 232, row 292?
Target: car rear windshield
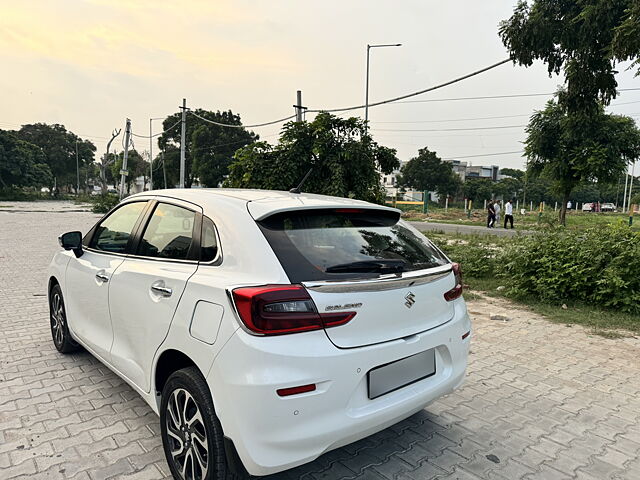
column 344, row 244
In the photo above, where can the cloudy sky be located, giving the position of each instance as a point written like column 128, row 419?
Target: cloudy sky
column 89, row 64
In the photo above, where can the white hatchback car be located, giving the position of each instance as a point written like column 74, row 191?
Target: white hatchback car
column 265, row 328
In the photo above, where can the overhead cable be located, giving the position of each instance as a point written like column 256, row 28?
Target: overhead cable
column 419, row 92
column 242, row 126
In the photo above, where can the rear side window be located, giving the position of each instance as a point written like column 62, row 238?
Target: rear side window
column 346, row 244
column 169, row 233
column 113, row 234
column 209, row 241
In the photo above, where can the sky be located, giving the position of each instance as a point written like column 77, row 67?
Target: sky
column 89, row 64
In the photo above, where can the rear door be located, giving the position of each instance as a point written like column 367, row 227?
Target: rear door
column 367, row 261
column 146, row 288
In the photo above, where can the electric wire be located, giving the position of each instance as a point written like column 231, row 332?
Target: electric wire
column 413, row 94
column 157, row 134
column 242, row 126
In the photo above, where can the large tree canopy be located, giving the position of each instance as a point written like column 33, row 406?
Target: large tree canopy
column 428, row 172
column 21, row 163
column 584, row 39
column 345, row 161
column 570, row 152
column 59, row 148
column 209, row 148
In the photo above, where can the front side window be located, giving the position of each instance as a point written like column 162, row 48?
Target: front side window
column 114, row 232
column 169, row 233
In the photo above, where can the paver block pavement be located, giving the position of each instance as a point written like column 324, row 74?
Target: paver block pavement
column 540, row 401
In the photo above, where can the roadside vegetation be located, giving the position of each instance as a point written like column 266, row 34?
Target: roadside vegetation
column 586, row 277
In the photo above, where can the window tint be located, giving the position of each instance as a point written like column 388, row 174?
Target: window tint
column 346, row 243
column 209, row 241
column 169, row 233
column 114, row 232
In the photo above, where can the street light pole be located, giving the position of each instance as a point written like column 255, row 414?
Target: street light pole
column 366, row 95
column 151, row 151
column 77, row 171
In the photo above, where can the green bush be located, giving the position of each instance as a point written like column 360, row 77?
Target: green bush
column 599, row 266
column 104, row 203
column 478, row 256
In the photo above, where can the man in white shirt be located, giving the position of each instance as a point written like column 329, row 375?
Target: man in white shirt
column 508, row 214
column 497, row 208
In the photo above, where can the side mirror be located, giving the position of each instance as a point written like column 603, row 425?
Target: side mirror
column 71, row 241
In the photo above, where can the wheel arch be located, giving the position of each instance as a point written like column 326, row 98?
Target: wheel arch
column 169, row 361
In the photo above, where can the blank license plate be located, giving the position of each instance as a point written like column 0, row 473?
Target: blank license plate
column 401, row 373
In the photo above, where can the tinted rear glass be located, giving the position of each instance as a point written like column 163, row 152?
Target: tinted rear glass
column 346, row 244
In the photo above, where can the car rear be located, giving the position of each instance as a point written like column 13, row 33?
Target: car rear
column 371, row 328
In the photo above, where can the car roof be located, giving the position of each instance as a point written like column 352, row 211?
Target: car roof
column 261, row 203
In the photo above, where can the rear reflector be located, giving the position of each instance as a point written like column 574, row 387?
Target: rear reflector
column 456, row 291
column 286, row 392
column 282, row 309
column 466, row 334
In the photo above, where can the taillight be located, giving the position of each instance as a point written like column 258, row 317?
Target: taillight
column 281, row 309
column 456, row 291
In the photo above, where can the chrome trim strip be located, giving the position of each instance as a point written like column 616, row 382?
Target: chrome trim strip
column 382, row 283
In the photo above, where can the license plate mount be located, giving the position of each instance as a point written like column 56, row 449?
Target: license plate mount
column 401, row 373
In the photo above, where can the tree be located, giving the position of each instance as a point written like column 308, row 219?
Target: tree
column 513, row 173
column 21, row 163
column 478, row 189
column 569, row 152
column 585, row 40
column 428, row 172
column 209, row 148
column 59, row 148
column 343, row 159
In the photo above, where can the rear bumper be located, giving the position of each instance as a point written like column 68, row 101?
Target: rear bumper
column 272, row 433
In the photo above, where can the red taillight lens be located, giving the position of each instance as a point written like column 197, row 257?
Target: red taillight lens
column 281, row 309
column 456, row 291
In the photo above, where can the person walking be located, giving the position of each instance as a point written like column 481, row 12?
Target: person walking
column 508, row 213
column 491, row 214
column 497, row 208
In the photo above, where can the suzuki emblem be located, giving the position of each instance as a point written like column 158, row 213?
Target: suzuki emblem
column 410, row 300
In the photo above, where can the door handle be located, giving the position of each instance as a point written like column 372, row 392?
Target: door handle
column 161, row 290
column 102, row 277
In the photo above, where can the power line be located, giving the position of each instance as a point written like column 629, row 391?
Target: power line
column 459, row 119
column 419, row 92
column 346, row 109
column 498, row 127
column 483, row 155
column 157, row 134
column 242, row 126
column 489, row 97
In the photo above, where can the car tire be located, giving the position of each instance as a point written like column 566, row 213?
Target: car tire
column 191, row 432
column 62, row 339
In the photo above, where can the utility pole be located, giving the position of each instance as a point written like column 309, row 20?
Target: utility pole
column 298, row 106
column 624, row 196
column 77, row 170
column 150, row 155
column 123, row 170
column 633, row 169
column 183, row 141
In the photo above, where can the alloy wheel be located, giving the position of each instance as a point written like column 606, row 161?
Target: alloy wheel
column 187, row 435
column 57, row 319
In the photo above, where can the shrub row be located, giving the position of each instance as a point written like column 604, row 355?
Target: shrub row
column 598, row 266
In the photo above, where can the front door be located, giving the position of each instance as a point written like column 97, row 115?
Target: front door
column 87, row 278
column 146, row 288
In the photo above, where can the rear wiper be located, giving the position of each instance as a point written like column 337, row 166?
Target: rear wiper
column 369, row 266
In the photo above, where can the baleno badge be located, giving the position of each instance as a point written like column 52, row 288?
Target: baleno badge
column 410, row 300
